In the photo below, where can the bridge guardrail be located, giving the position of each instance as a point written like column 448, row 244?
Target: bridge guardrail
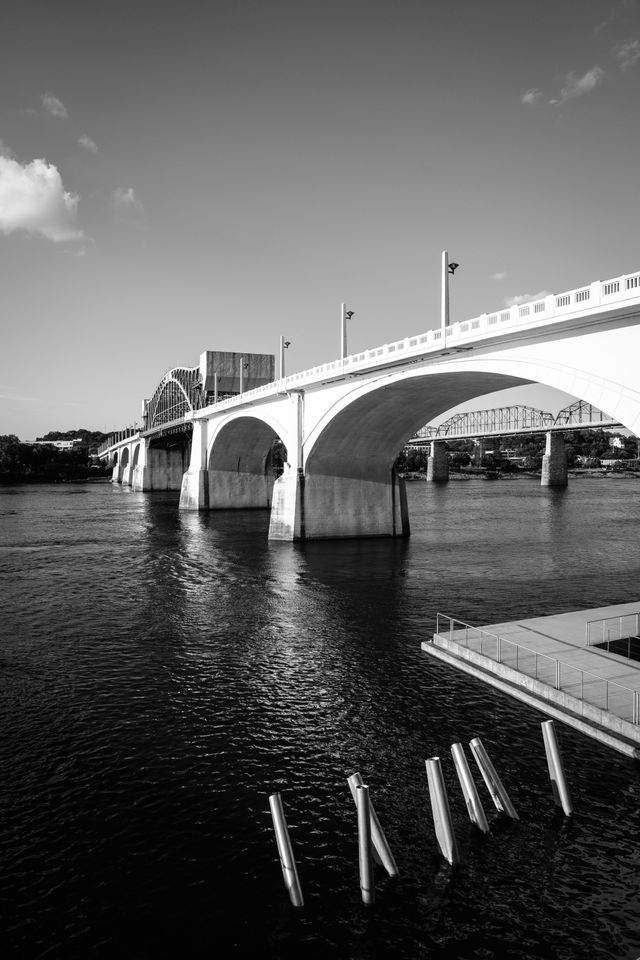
column 537, row 312
column 588, row 687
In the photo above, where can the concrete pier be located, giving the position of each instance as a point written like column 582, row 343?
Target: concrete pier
column 322, row 508
column 438, row 463
column 554, row 462
column 546, row 663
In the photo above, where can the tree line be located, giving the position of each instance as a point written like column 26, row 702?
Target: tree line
column 31, row 463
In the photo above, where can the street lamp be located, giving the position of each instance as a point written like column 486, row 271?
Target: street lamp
column 284, row 344
column 344, row 316
column 448, row 269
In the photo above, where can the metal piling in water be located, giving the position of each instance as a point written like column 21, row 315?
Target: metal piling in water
column 441, row 813
column 287, row 861
column 365, row 855
column 381, row 849
column 556, row 768
column 469, row 789
column 494, row 784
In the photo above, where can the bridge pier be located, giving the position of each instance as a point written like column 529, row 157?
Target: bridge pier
column 438, row 463
column 239, row 491
column 155, row 468
column 324, row 507
column 194, row 488
column 554, row 462
column 480, row 452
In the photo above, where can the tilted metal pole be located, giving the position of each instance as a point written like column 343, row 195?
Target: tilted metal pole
column 442, row 821
column 381, row 849
column 556, row 769
column 469, row 789
column 365, row 857
column 493, row 782
column 287, row 861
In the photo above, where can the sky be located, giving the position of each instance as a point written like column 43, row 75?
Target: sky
column 184, row 176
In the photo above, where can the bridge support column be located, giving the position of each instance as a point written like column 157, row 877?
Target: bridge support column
column 194, row 492
column 438, row 464
column 239, row 491
column 554, row 462
column 480, row 452
column 324, row 508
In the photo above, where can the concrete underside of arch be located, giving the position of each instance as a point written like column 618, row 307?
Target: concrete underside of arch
column 349, row 487
column 238, row 475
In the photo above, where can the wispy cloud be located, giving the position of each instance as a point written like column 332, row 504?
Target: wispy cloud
column 531, row 96
column 628, row 54
column 125, row 199
column 127, row 207
column 54, row 107
column 88, row 144
column 33, row 199
column 500, row 275
column 526, row 298
column 616, row 11
column 578, row 86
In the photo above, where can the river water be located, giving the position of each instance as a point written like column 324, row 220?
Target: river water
column 162, row 673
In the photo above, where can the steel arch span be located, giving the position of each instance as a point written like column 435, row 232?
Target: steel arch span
column 178, row 394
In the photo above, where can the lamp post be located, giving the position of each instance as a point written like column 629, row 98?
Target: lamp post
column 284, row 344
column 448, row 269
column 345, row 315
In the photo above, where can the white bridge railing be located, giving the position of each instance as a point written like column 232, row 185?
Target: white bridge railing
column 554, row 307
column 616, row 698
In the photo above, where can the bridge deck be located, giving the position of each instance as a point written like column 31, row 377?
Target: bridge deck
column 545, row 662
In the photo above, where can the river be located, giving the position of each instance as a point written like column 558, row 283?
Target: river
column 161, row 673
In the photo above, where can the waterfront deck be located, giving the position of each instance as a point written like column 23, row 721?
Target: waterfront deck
column 552, row 664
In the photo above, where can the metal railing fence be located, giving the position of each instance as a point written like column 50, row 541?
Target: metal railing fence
column 609, row 695
column 612, row 628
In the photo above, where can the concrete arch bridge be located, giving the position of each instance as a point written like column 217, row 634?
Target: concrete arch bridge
column 343, row 423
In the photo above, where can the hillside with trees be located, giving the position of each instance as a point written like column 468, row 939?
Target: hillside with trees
column 30, row 463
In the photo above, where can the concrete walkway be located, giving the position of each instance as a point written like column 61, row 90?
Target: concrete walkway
column 545, row 661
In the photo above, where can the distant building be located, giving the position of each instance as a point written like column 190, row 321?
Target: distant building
column 58, row 444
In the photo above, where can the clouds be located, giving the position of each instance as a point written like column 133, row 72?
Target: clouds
column 33, row 199
column 88, row 144
column 526, row 298
column 531, row 96
column 127, row 208
column 578, row 86
column 625, row 56
column 501, row 275
column 125, row 200
column 54, row 107
column 628, row 54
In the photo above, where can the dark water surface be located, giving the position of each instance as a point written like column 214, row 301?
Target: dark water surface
column 161, row 673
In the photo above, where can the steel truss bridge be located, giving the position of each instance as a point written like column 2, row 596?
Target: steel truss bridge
column 505, row 421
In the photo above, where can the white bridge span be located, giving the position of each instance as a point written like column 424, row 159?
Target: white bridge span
column 343, row 423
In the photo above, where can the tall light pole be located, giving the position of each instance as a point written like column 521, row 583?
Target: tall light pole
column 283, row 346
column 448, row 269
column 345, row 315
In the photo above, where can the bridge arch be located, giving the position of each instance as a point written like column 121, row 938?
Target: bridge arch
column 178, row 393
column 241, row 464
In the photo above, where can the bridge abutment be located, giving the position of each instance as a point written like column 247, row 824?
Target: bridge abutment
column 323, row 507
column 438, row 463
column 554, row 462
